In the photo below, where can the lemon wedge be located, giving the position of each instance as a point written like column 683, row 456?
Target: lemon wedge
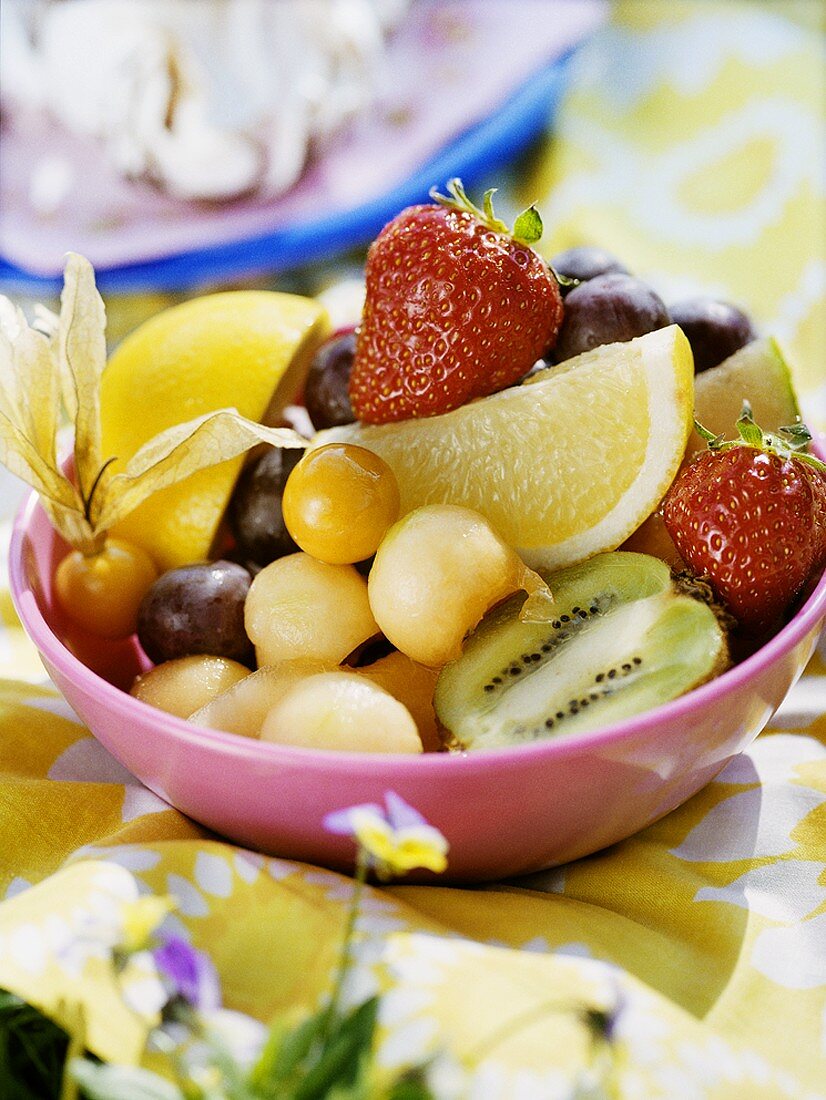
column 564, row 466
column 758, row 373
column 247, row 350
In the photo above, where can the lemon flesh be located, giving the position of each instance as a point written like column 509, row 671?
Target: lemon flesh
column 248, row 350
column 564, row 466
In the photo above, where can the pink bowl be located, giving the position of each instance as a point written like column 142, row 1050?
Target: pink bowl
column 505, row 812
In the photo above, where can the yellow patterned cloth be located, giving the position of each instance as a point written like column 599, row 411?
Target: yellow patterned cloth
column 691, row 144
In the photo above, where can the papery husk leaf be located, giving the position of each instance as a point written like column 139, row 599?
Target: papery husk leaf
column 82, row 343
column 11, row 318
column 58, row 497
column 9, row 382
column 177, row 453
column 47, row 322
column 73, row 527
column 40, row 391
column 29, row 412
column 20, row 457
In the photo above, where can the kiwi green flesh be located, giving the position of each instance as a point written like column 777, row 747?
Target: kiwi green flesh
column 624, row 642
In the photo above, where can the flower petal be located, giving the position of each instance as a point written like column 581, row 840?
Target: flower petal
column 241, row 1035
column 401, row 814
column 421, row 846
column 141, row 986
column 190, row 972
column 340, row 822
column 141, row 918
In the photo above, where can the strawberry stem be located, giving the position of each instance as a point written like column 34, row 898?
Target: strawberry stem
column 565, row 280
column 527, row 228
column 798, row 438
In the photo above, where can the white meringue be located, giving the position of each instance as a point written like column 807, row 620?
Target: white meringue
column 210, row 100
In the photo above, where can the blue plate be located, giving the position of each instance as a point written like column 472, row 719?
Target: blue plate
column 476, row 153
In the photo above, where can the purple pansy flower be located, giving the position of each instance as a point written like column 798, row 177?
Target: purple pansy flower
column 190, row 973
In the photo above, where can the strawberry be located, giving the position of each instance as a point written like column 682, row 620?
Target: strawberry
column 456, row 308
column 750, row 515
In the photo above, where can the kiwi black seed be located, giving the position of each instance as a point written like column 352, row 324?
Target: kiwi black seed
column 623, row 640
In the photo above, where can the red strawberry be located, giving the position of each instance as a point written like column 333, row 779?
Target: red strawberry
column 751, row 516
column 457, row 307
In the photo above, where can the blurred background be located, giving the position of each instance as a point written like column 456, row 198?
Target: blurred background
column 190, row 145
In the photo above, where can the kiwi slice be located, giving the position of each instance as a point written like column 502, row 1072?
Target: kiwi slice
column 623, row 640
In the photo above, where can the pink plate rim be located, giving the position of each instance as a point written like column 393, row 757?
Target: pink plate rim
column 806, row 619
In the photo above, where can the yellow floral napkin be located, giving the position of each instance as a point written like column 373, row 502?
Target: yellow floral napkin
column 692, row 144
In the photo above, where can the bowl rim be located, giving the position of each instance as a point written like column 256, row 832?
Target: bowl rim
column 811, row 614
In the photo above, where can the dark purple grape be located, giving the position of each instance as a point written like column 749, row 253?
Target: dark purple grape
column 365, row 566
column 586, row 262
column 196, row 609
column 606, row 310
column 254, row 513
column 326, row 391
column 237, row 558
column 714, row 329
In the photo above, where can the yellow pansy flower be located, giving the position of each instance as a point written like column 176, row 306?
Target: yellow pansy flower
column 396, row 839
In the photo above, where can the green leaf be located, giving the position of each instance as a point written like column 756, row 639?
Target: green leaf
column 412, row 1085
column 811, row 460
column 32, row 1051
column 363, row 1086
column 713, row 440
column 108, row 1082
column 265, row 1073
column 750, row 433
column 798, row 435
column 286, row 1051
column 345, row 1050
column 527, row 228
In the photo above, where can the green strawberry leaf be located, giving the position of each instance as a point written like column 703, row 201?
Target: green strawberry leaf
column 714, row 441
column 527, row 228
column 811, row 460
column 798, row 435
column 797, row 438
column 750, row 433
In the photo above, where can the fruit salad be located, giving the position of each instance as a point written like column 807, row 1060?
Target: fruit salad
column 523, row 499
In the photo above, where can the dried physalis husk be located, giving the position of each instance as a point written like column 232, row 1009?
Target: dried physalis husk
column 44, row 365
